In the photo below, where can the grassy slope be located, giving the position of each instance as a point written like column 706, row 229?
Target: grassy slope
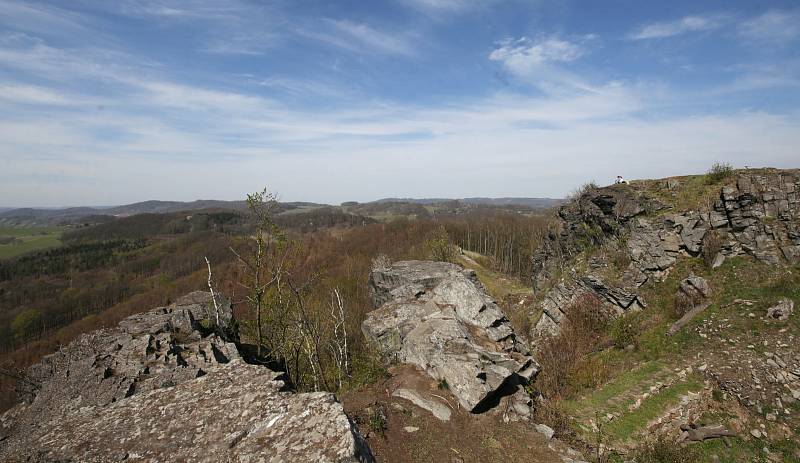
column 627, row 374
column 29, row 239
column 632, row 372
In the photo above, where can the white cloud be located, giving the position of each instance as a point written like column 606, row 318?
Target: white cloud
column 447, row 6
column 360, row 37
column 540, row 61
column 522, row 54
column 30, row 94
column 301, row 87
column 686, row 24
column 774, row 25
column 47, row 20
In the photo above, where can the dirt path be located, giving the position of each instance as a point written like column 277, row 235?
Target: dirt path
column 412, row 434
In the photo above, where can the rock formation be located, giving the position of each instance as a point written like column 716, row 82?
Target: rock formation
column 438, row 317
column 762, row 213
column 162, row 386
column 758, row 215
column 781, row 311
column 693, row 294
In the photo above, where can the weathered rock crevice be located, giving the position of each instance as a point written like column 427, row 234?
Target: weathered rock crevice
column 438, row 317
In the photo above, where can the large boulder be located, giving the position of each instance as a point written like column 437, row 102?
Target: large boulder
column 438, row 317
column 163, row 386
column 782, row 310
column 695, row 288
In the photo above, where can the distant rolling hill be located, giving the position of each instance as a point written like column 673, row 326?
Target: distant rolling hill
column 26, row 217
column 529, row 202
column 38, row 217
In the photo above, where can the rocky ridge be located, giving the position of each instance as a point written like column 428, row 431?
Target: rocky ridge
column 757, row 215
column 162, row 387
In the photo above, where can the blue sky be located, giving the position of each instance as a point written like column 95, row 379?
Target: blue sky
column 108, row 102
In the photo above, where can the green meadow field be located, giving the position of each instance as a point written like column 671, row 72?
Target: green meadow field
column 15, row 241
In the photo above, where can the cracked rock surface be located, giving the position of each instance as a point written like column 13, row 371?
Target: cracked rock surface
column 161, row 388
column 438, row 317
column 757, row 215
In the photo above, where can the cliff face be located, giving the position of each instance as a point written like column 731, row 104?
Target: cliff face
column 160, row 388
column 757, row 214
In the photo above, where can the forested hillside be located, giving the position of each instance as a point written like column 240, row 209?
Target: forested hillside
column 106, row 271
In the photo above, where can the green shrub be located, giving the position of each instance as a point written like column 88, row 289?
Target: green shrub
column 661, row 450
column 376, row 420
column 712, row 245
column 583, row 189
column 625, row 330
column 439, row 246
column 719, row 172
column 27, row 323
column 366, row 368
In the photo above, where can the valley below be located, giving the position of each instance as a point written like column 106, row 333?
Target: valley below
column 646, row 321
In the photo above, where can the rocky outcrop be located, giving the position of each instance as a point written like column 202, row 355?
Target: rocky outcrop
column 163, row 387
column 589, row 220
column 758, row 215
column 234, row 413
column 558, row 301
column 438, row 317
column 781, row 311
column 147, row 351
column 762, row 213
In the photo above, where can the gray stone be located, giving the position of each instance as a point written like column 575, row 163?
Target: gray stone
column 617, row 296
column 763, row 212
column 438, row 317
column 719, row 259
column 545, row 430
column 782, row 310
column 437, row 409
column 695, row 287
column 235, row 413
column 163, row 387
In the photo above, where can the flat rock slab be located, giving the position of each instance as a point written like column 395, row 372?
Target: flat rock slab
column 437, row 409
column 235, row 413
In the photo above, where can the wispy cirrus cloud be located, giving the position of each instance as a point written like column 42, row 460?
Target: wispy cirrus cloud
column 41, row 19
column 522, row 54
column 660, row 30
column 541, row 61
column 37, row 95
column 773, row 26
column 447, row 6
column 360, row 37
